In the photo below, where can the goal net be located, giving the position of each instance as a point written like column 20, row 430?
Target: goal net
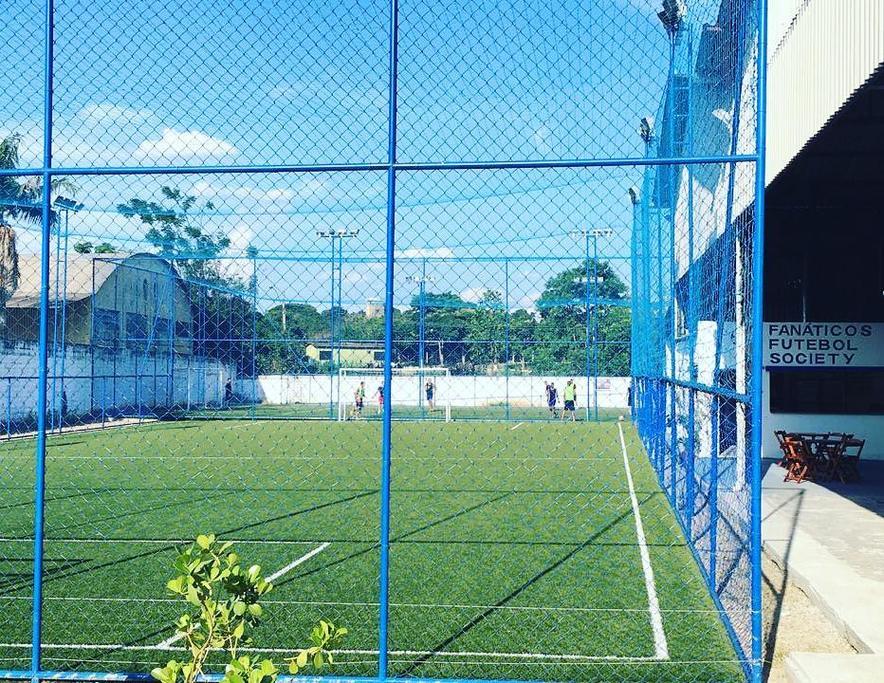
column 417, row 393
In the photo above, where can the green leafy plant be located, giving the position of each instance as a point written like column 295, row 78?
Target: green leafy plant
column 224, row 607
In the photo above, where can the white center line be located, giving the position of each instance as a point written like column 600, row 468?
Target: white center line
column 661, row 649
column 168, row 642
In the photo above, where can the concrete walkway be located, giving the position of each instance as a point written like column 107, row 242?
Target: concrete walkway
column 829, row 539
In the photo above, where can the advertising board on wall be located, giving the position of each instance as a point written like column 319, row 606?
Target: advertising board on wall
column 823, row 345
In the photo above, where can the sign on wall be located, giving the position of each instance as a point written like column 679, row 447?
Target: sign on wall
column 823, row 345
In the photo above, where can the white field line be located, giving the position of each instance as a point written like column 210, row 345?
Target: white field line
column 395, row 653
column 661, row 649
column 512, row 429
column 409, row 605
column 275, row 575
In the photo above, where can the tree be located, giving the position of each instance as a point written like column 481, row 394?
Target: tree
column 175, row 232
column 224, row 312
column 19, row 200
column 561, row 333
column 84, row 247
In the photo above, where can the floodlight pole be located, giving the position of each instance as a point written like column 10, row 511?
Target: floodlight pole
column 66, row 205
column 591, row 322
column 335, row 236
column 421, row 327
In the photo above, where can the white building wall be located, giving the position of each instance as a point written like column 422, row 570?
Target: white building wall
column 121, row 379
column 457, row 390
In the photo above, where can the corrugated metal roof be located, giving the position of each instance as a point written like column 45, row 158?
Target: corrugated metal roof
column 80, row 273
column 827, row 51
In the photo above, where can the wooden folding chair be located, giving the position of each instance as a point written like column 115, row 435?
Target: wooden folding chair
column 853, row 449
column 781, row 441
column 799, row 461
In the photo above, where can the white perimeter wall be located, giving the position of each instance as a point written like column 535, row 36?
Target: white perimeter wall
column 122, row 379
column 457, row 390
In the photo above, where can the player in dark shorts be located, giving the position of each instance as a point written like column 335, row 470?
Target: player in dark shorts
column 360, row 399
column 429, row 389
column 552, row 398
column 570, row 396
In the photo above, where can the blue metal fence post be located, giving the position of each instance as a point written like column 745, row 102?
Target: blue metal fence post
column 588, row 314
column 757, row 341
column 421, row 335
column 386, row 441
column 43, row 361
column 9, row 407
column 331, row 323
column 595, row 326
column 64, row 311
column 506, row 335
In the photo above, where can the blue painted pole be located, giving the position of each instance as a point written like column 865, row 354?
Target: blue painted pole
column 757, row 342
column 588, row 321
column 331, row 325
column 506, row 334
column 43, row 360
column 595, row 326
column 421, row 350
column 692, row 327
column 64, row 311
column 673, row 406
column 9, row 407
column 386, row 441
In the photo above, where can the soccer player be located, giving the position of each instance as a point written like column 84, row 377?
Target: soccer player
column 552, row 398
column 380, row 396
column 428, row 389
column 360, row 398
column 570, row 396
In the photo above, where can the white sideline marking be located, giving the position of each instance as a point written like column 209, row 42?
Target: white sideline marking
column 412, row 605
column 168, row 642
column 399, row 653
column 661, row 649
column 291, row 565
column 512, row 429
column 156, row 541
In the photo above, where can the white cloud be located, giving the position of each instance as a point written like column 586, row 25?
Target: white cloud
column 241, row 237
column 184, row 145
column 438, row 252
column 540, row 138
column 274, row 195
column 472, row 294
column 105, row 113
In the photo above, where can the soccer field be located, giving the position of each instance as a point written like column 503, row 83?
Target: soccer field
column 518, row 550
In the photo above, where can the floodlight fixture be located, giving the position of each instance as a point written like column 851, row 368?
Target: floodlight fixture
column 337, row 234
column 672, row 15
column 418, row 279
column 68, row 204
column 646, row 129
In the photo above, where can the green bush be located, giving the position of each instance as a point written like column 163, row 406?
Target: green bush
column 224, row 608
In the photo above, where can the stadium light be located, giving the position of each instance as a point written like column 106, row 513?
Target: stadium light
column 646, row 129
column 672, row 14
column 634, row 195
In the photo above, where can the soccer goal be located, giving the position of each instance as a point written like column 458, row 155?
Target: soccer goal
column 417, row 393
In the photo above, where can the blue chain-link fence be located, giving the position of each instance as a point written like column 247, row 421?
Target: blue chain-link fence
column 445, row 314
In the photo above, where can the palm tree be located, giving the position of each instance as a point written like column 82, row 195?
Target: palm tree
column 20, row 199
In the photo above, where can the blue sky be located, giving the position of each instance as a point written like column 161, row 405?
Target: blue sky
column 262, row 82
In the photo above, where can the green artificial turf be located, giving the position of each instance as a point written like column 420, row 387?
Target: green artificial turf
column 513, row 554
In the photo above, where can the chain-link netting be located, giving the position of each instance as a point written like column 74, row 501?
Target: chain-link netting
column 443, row 313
